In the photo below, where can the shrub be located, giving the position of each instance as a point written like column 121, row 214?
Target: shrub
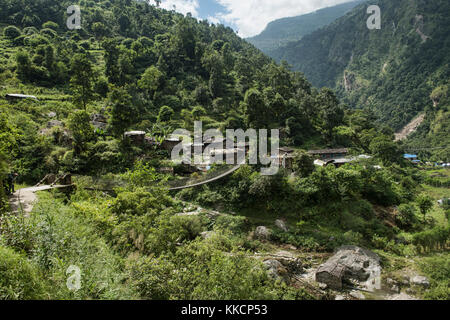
column 50, row 25
column 406, row 216
column 49, row 33
column 303, row 163
column 11, row 32
column 101, row 86
column 235, row 224
column 19, row 41
column 85, row 45
column 19, row 279
column 438, row 271
column 204, row 271
column 434, row 239
column 30, row 31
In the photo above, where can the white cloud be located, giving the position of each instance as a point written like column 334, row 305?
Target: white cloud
column 252, row 16
column 214, row 20
column 182, row 6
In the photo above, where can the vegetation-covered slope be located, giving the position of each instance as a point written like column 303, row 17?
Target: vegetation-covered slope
column 393, row 70
column 431, row 140
column 282, row 31
column 139, row 67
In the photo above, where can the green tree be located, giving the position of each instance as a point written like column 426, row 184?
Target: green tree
column 255, row 109
column 24, row 66
column 11, row 32
column 332, row 115
column 303, row 163
column 123, row 112
column 112, row 54
column 81, row 80
column 385, row 149
column 165, row 114
column 82, row 131
column 151, row 80
column 425, row 203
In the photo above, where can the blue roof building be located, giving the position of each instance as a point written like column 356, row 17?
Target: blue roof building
column 410, row 156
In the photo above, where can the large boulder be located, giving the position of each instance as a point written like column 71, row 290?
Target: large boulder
column 420, row 281
column 289, row 261
column 262, row 233
column 275, row 269
column 351, row 264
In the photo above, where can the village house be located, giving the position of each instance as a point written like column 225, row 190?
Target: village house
column 136, row 137
column 339, row 162
column 285, row 157
column 17, row 96
column 411, row 157
column 329, row 154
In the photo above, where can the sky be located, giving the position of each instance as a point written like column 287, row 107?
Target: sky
column 247, row 17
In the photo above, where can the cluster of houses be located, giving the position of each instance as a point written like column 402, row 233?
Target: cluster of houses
column 285, row 157
column 322, row 157
column 416, row 161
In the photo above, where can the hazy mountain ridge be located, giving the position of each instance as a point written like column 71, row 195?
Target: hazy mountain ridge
column 282, row 31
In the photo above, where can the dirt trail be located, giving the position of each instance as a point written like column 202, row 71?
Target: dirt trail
column 410, row 128
column 24, row 199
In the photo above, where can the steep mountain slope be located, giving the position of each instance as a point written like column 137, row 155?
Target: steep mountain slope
column 393, row 70
column 431, row 140
column 138, row 67
column 282, row 31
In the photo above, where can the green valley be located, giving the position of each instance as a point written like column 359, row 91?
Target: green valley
column 91, row 206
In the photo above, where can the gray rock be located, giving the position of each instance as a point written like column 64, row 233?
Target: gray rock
column 351, row 264
column 289, row 261
column 339, row 298
column 98, row 117
column 395, row 288
column 401, row 296
column 405, row 283
column 391, row 281
column 275, row 269
column 420, row 281
column 282, row 225
column 323, row 286
column 262, row 233
column 54, row 123
column 357, row 295
column 51, row 114
column 410, row 291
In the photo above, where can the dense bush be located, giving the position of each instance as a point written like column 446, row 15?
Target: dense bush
column 19, row 278
column 406, row 216
column 438, row 270
column 231, row 276
column 11, row 32
column 433, row 239
column 236, row 224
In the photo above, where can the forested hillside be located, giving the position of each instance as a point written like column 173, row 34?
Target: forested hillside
column 280, row 32
column 139, row 66
column 67, row 98
column 392, row 71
